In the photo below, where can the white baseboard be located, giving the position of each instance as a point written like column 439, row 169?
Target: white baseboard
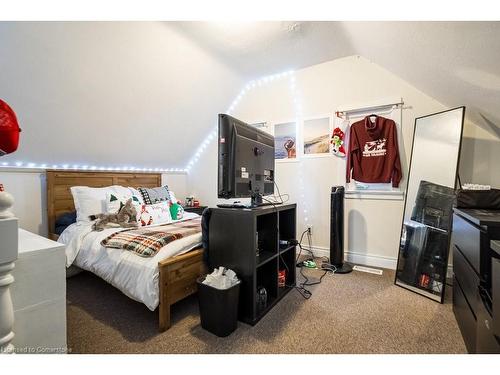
column 371, row 260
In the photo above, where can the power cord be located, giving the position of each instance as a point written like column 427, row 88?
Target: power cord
column 301, row 248
column 280, row 196
column 325, row 266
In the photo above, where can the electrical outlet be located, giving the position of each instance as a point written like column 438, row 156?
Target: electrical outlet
column 310, row 228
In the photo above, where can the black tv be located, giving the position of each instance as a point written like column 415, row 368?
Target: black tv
column 246, row 161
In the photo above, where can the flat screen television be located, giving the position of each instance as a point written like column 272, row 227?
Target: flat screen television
column 246, row 161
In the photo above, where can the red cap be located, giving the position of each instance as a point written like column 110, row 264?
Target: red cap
column 9, row 129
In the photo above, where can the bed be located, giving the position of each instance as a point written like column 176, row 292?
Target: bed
column 175, row 270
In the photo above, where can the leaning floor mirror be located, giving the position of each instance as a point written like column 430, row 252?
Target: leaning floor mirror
column 428, row 211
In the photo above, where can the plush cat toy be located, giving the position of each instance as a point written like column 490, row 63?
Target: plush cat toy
column 125, row 218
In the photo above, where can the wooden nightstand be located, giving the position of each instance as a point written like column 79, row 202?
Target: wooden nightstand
column 197, row 210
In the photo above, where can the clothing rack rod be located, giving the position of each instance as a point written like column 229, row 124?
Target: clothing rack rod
column 366, row 109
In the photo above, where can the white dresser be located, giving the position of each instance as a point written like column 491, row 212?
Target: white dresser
column 39, row 295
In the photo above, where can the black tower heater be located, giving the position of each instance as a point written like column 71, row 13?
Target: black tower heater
column 337, row 230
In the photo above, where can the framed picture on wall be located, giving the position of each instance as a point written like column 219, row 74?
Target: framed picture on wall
column 285, row 141
column 316, row 136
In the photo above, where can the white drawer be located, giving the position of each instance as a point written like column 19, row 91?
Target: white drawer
column 39, row 276
column 41, row 328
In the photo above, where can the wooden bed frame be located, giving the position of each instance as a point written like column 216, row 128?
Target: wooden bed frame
column 177, row 274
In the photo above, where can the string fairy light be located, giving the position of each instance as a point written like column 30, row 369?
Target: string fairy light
column 86, row 167
column 230, row 110
column 298, row 113
column 212, row 135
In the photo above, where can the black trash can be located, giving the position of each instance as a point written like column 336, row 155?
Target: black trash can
column 218, row 308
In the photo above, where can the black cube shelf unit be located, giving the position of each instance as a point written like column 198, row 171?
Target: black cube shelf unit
column 247, row 241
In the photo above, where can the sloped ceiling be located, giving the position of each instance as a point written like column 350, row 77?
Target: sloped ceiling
column 78, row 88
column 110, row 94
column 457, row 63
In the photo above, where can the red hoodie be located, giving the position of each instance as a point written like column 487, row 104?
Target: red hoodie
column 373, row 151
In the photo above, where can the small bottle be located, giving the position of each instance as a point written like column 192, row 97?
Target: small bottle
column 262, row 298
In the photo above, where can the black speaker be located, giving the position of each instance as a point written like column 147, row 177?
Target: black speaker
column 337, row 230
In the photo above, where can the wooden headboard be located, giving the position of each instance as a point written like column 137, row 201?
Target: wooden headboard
column 60, row 200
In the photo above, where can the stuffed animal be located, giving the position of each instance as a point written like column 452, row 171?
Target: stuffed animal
column 126, row 217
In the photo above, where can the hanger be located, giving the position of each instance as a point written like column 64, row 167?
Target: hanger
column 372, row 123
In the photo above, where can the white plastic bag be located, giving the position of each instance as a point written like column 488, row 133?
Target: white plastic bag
column 221, row 278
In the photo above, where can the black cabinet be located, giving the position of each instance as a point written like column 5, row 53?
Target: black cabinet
column 465, row 317
column 467, row 278
column 248, row 242
column 486, row 341
column 495, row 287
column 475, row 278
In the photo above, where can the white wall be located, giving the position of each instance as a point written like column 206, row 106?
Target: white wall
column 30, row 198
column 372, row 226
column 106, row 94
column 481, row 153
column 110, row 93
column 30, row 195
column 176, row 183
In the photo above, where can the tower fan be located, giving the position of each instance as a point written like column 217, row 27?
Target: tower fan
column 337, row 230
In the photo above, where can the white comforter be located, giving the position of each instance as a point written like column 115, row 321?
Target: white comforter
column 135, row 276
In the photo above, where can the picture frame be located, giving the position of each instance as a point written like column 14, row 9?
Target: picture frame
column 316, row 135
column 286, row 141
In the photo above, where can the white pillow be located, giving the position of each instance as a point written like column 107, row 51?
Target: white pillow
column 92, row 201
column 136, row 193
column 115, row 201
column 158, row 213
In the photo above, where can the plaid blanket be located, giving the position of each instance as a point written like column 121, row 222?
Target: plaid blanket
column 147, row 242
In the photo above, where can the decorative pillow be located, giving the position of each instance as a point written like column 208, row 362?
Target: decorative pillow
column 155, row 195
column 92, row 201
column 137, row 193
column 173, row 199
column 158, row 213
column 114, row 202
column 176, row 211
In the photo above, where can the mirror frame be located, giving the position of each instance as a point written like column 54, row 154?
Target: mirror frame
column 409, row 287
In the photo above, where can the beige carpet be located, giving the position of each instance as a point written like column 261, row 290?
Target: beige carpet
column 354, row 313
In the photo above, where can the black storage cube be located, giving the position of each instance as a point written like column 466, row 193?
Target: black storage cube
column 218, row 308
